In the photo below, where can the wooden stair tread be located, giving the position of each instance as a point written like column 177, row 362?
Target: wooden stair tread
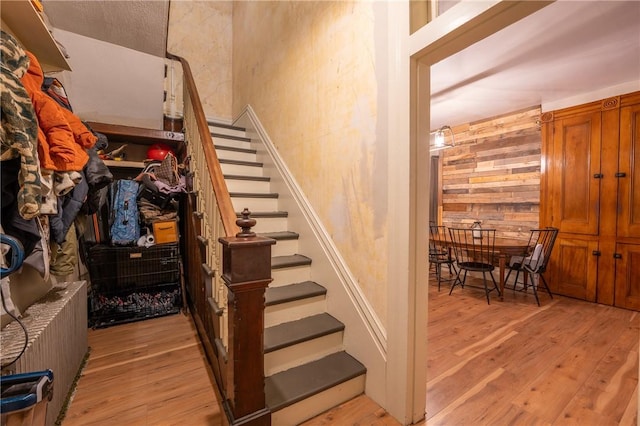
column 230, row 137
column 226, row 126
column 290, row 386
column 280, row 235
column 240, row 163
column 291, row 292
column 301, row 330
column 241, row 177
column 254, row 194
column 279, row 262
column 265, row 214
column 234, row 149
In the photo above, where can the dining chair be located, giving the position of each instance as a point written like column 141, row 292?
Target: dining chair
column 440, row 253
column 534, row 263
column 473, row 254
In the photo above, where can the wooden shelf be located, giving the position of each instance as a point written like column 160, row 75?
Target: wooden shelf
column 125, row 163
column 24, row 22
column 137, row 135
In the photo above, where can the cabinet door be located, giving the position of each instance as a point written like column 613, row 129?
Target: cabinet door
column 573, row 268
column 576, row 165
column 629, row 162
column 628, row 276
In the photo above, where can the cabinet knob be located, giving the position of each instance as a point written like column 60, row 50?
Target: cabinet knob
column 598, row 175
column 617, row 256
column 596, row 253
column 621, row 174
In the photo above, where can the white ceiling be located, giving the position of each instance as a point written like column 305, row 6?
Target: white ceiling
column 137, row 24
column 564, row 51
column 567, row 50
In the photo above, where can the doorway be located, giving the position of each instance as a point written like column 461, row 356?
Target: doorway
column 465, row 24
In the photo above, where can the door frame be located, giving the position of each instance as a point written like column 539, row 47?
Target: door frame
column 409, row 119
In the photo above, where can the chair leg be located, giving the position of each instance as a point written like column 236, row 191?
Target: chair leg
column 506, row 279
column 458, row 280
column 486, row 289
column 515, row 281
column 495, row 284
column 545, row 285
column 438, row 273
column 535, row 291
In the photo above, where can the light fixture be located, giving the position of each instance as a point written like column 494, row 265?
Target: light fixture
column 440, row 141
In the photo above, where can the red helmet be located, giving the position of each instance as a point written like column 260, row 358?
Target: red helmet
column 158, row 151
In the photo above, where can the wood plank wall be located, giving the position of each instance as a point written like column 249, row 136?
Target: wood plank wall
column 492, row 174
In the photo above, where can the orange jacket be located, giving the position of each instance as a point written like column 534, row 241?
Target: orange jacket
column 62, row 138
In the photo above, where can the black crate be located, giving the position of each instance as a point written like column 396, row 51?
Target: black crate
column 111, row 308
column 126, row 268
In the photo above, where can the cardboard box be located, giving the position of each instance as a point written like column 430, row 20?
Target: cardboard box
column 165, row 231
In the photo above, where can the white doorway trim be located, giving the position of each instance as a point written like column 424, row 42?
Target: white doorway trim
column 460, row 27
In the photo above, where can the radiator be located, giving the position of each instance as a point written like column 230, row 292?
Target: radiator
column 57, row 326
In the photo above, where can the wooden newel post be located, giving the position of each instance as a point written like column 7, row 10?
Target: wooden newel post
column 246, row 271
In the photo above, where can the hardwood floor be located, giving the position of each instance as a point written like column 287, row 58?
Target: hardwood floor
column 566, row 362
column 509, row 363
column 149, row 372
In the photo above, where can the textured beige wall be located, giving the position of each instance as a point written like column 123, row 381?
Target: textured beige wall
column 310, row 70
column 201, row 32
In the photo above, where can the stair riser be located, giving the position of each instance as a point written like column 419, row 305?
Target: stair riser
column 286, row 276
column 302, row 353
column 240, row 185
column 284, row 247
column 311, row 407
column 217, row 141
column 235, row 169
column 270, row 224
column 225, row 154
column 229, row 132
column 255, row 204
column 291, row 311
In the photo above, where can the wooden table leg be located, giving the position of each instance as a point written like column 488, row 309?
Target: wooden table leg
column 502, row 263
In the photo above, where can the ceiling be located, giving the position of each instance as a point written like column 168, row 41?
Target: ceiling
column 567, row 49
column 137, row 24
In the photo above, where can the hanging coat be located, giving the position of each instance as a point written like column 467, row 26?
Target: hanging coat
column 62, row 138
column 19, row 127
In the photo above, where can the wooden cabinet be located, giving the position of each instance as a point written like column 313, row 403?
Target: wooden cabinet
column 629, row 178
column 590, row 190
column 627, row 276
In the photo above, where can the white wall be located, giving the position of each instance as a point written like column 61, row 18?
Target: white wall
column 112, row 84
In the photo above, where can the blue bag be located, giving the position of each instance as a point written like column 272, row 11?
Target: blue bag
column 123, row 221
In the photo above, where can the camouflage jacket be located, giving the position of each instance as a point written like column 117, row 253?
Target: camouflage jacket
column 18, row 135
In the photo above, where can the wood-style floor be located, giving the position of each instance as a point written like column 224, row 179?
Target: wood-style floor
column 150, row 372
column 509, row 363
column 567, row 362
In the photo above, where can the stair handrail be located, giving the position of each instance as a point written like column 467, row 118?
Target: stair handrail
column 227, row 272
column 221, row 193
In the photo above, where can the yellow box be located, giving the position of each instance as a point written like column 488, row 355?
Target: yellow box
column 165, row 231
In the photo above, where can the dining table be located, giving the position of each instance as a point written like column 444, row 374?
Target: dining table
column 504, row 248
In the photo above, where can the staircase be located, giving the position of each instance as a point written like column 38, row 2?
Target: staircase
column 306, row 368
